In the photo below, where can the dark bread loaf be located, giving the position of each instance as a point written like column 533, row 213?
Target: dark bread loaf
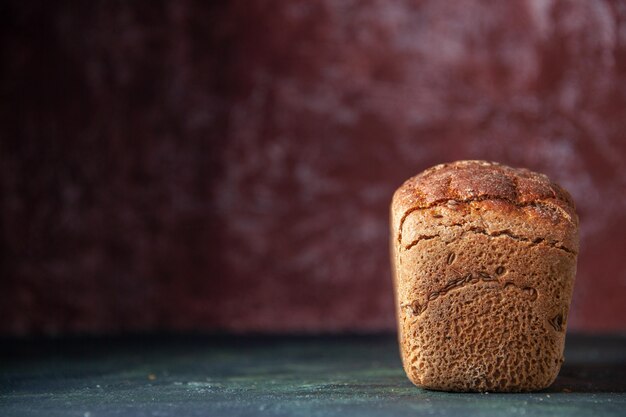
column 484, row 260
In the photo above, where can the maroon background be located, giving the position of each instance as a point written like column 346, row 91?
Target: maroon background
column 229, row 165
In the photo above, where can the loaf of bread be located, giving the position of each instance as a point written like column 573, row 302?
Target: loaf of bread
column 484, row 260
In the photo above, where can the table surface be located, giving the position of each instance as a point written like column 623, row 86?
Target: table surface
column 277, row 376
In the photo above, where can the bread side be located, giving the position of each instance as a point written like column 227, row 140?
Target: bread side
column 484, row 261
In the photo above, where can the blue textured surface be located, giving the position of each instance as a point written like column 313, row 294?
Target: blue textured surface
column 277, row 376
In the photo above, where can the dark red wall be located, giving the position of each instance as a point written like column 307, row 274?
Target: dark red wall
column 229, row 165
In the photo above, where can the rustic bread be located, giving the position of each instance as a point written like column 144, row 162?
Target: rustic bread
column 484, row 260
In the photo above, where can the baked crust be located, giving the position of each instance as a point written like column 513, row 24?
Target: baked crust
column 484, row 259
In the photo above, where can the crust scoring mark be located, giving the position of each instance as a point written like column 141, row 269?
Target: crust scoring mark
column 441, row 202
column 416, row 309
column 506, row 232
column 557, row 322
column 419, row 239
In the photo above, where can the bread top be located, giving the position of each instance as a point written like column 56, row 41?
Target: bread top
column 498, row 198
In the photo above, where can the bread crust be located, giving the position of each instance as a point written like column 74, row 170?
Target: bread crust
column 484, row 260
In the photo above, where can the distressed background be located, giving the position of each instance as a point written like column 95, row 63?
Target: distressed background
column 228, row 165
